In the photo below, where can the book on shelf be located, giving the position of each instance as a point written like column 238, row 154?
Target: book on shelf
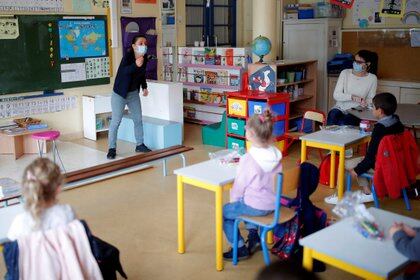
column 218, row 60
column 182, row 74
column 211, row 77
column 198, row 57
column 229, row 57
column 223, row 78
column 198, row 76
column 234, row 80
column 186, row 55
column 37, row 126
column 209, row 56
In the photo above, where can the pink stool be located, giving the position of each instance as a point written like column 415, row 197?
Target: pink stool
column 50, row 135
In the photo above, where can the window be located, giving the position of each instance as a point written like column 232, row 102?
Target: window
column 211, row 21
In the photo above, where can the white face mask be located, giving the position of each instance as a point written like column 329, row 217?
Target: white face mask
column 142, row 49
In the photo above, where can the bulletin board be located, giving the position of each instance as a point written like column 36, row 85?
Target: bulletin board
column 397, row 59
column 49, row 52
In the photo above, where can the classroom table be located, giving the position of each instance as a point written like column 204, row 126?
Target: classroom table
column 212, row 176
column 409, row 114
column 21, row 143
column 334, row 141
column 7, row 214
column 342, row 246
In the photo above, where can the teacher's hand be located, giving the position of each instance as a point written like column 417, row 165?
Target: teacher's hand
column 145, row 92
column 139, row 61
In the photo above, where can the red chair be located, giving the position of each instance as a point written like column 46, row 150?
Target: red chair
column 311, row 115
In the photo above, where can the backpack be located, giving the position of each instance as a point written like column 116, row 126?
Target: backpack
column 286, row 239
column 324, row 170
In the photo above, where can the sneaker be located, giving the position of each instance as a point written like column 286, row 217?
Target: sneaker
column 332, row 199
column 111, row 153
column 254, row 241
column 142, row 149
column 366, row 198
column 243, row 254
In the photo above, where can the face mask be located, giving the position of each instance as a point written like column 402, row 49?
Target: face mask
column 142, row 49
column 357, row 67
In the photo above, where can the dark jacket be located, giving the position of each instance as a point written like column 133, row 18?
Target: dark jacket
column 394, row 126
column 129, row 76
column 107, row 256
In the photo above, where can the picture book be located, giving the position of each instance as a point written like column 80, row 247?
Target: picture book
column 198, row 76
column 209, row 56
column 218, row 60
column 198, row 57
column 186, row 55
column 234, row 80
column 229, row 57
column 182, row 74
column 204, row 97
column 223, row 78
column 211, row 77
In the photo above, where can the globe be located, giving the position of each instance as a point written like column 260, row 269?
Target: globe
column 261, row 46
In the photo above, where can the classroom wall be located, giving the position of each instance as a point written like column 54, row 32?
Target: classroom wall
column 70, row 122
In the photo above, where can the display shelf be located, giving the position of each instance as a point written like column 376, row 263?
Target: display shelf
column 294, row 83
column 300, row 98
column 204, row 103
column 207, row 66
column 227, row 88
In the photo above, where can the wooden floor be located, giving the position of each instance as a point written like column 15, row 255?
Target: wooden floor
column 137, row 213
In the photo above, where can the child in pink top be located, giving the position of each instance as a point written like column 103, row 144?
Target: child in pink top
column 253, row 190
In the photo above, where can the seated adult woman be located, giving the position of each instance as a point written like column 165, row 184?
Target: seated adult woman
column 355, row 88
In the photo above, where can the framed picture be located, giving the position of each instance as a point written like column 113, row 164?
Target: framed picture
column 392, row 8
column 126, row 7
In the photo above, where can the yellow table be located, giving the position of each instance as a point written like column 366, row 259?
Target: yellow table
column 334, row 141
column 212, row 176
column 342, row 246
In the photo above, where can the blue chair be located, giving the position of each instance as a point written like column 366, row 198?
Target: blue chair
column 265, row 223
column 375, row 197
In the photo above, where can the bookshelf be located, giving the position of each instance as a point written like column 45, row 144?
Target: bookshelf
column 297, row 78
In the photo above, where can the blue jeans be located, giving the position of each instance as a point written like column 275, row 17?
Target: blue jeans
column 235, row 209
column 117, row 105
column 336, row 116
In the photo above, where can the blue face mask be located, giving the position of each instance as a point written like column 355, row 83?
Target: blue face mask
column 142, row 49
column 357, row 67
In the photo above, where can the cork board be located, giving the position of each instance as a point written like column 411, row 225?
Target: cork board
column 397, row 59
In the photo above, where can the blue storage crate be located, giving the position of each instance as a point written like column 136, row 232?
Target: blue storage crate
column 306, row 13
column 258, row 107
column 278, row 128
column 307, row 127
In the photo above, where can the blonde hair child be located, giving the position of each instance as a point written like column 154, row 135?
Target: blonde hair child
column 252, row 193
column 41, row 183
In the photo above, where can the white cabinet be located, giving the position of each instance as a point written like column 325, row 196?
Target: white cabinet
column 165, row 101
column 317, row 39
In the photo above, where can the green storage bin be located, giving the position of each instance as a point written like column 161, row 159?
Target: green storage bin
column 235, row 143
column 236, row 126
column 215, row 134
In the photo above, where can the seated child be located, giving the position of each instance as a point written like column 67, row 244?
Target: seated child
column 41, row 183
column 407, row 242
column 253, row 190
column 384, row 107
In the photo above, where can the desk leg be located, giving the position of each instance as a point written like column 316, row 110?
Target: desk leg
column 303, row 151
column 270, row 239
column 219, row 229
column 332, row 170
column 180, row 195
column 308, row 261
column 341, row 168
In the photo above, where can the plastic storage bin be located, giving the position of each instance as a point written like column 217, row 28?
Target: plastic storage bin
column 235, row 143
column 305, row 14
column 237, row 107
column 278, row 128
column 236, row 126
column 327, row 10
column 258, row 107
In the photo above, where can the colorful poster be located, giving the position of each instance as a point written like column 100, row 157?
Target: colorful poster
column 343, row 3
column 9, row 28
column 146, row 1
column 392, row 8
column 367, row 10
column 82, row 6
column 82, row 38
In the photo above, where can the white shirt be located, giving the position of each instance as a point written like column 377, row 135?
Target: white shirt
column 53, row 217
column 349, row 84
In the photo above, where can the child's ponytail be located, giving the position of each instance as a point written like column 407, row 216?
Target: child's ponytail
column 41, row 179
column 262, row 125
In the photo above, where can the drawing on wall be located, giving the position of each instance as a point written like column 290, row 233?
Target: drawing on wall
column 343, row 3
column 101, row 3
column 9, row 28
column 126, row 7
column 392, row 8
column 367, row 10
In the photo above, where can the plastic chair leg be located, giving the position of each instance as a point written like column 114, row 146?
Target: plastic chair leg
column 235, row 242
column 58, row 155
column 406, row 200
column 348, row 181
column 264, row 246
column 375, row 197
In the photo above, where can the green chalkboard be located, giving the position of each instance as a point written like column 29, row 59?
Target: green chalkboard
column 32, row 61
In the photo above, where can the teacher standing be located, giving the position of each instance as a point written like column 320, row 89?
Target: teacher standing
column 130, row 76
column 355, row 88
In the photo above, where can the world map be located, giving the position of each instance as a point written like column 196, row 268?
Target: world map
column 82, row 38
